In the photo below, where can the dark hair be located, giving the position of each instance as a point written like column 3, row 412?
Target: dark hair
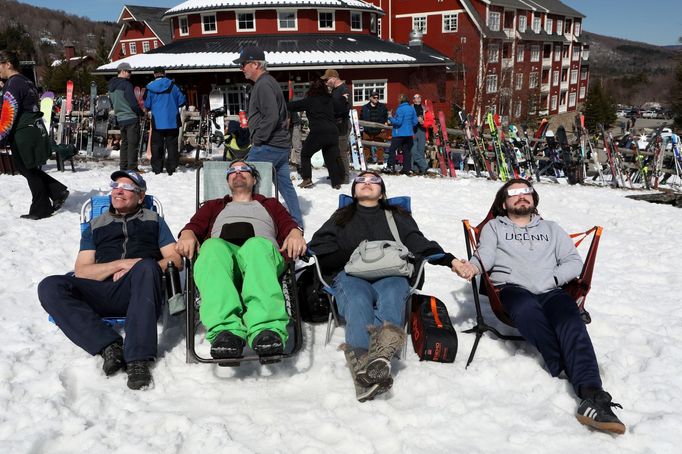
column 403, row 98
column 254, row 172
column 8, row 56
column 501, row 196
column 318, row 88
column 343, row 216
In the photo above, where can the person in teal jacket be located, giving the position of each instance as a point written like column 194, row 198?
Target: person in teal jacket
column 163, row 98
column 403, row 123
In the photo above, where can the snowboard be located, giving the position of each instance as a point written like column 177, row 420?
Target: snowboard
column 355, row 140
column 69, row 97
column 93, row 99
column 216, row 101
column 101, row 126
column 46, row 105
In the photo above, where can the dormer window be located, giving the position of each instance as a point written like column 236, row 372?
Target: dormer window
column 209, row 24
column 246, row 21
column 494, row 21
column 183, row 25
column 373, row 23
column 355, row 20
column 325, row 20
column 286, row 20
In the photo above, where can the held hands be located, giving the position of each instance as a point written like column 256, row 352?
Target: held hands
column 187, row 244
column 294, row 244
column 464, row 269
column 124, row 266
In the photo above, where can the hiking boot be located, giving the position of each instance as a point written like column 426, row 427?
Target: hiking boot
column 307, row 183
column 139, row 375
column 58, row 202
column 595, row 411
column 384, row 343
column 364, row 393
column 227, row 345
column 267, row 343
column 113, row 358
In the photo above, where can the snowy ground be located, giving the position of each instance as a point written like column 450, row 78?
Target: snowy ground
column 54, row 397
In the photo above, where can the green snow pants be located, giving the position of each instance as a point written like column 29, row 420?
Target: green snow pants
column 221, row 268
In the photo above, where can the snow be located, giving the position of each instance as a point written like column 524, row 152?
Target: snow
column 193, row 5
column 55, row 398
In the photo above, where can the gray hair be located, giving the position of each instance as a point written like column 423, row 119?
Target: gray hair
column 262, row 64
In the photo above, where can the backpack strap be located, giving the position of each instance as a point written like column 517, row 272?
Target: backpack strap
column 392, row 225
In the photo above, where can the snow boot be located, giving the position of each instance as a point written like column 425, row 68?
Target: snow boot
column 595, row 411
column 268, row 343
column 113, row 358
column 364, row 393
column 227, row 345
column 384, row 343
column 139, row 375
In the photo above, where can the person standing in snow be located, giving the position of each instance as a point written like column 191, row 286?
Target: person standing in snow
column 342, row 105
column 374, row 310
column 163, row 98
column 123, row 254
column 529, row 259
column 403, row 123
column 128, row 113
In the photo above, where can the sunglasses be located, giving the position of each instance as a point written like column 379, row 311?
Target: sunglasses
column 244, row 63
column 236, row 169
column 520, row 191
column 374, row 97
column 124, row 186
column 368, row 179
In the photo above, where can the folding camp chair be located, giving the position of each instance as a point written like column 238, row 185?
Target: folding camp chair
column 335, row 319
column 578, row 288
column 215, row 186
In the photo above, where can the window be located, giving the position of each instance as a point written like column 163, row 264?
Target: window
column 494, row 21
column 156, row 44
column 373, row 23
column 519, row 52
column 555, row 78
column 535, row 52
column 449, row 22
column 183, row 24
column 286, row 20
column 355, row 20
column 571, row 100
column 325, row 20
column 493, row 53
column 564, row 75
column 506, row 50
column 582, row 92
column 562, row 99
column 557, row 53
column 576, row 54
column 559, row 27
column 145, row 46
column 517, row 109
column 491, row 83
column 133, row 48
column 536, row 24
column 519, row 81
column 549, row 24
column 565, row 51
column 583, row 73
column 123, row 48
column 208, row 23
column 523, row 24
column 547, row 51
column 362, row 89
column 246, row 21
column 576, row 29
column 574, row 76
column 419, row 23
column 533, row 80
column 554, row 101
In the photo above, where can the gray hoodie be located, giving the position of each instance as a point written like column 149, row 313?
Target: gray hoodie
column 538, row 257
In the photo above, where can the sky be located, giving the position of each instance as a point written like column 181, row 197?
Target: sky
column 659, row 23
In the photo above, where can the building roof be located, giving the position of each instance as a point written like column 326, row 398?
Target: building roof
column 294, row 51
column 542, row 36
column 555, row 7
column 153, row 17
column 518, row 4
column 215, row 5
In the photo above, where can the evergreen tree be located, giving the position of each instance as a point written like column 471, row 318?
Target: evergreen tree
column 16, row 38
column 599, row 108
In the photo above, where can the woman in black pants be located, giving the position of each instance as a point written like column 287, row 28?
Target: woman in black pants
column 22, row 126
column 319, row 108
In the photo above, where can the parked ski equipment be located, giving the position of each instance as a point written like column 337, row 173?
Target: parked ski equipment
column 355, row 140
column 442, row 124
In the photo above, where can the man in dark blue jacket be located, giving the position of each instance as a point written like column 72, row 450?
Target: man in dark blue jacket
column 374, row 111
column 164, row 98
column 128, row 113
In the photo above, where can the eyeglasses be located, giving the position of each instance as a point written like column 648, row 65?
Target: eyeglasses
column 368, row 179
column 240, row 169
column 124, row 186
column 519, row 191
column 374, row 97
column 244, row 63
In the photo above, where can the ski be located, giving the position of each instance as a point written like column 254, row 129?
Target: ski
column 497, row 147
column 474, row 155
column 440, row 150
column 446, row 143
column 355, row 140
column 480, row 146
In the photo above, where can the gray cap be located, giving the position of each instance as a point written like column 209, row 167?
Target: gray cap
column 125, row 66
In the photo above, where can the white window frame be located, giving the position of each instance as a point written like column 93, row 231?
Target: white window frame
column 379, row 27
column 145, row 46
column 133, row 48
column 181, row 20
column 535, row 52
column 123, row 49
column 559, row 27
column 357, row 14
column 571, row 99
column 533, row 79
column 447, row 23
column 520, row 51
column 549, row 24
column 361, row 90
column 537, row 23
column 517, row 109
column 576, row 53
column 420, row 23
column 319, row 18
column 574, row 76
column 203, row 24
column 156, row 44
column 583, row 73
column 557, row 55
column 583, row 90
column 245, row 13
column 494, row 25
column 519, row 81
column 279, row 20
column 523, row 23
column 373, row 23
column 553, row 103
column 493, row 51
column 576, row 28
column 555, row 77
column 491, row 83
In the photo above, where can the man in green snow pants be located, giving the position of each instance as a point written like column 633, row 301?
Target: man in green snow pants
column 244, row 240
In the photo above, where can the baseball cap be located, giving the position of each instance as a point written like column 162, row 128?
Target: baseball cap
column 125, row 66
column 328, row 74
column 136, row 177
column 374, row 93
column 250, row 53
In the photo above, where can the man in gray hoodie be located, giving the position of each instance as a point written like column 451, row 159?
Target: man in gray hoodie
column 529, row 259
column 128, row 113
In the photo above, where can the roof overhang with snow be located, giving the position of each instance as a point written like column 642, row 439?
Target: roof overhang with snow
column 195, row 6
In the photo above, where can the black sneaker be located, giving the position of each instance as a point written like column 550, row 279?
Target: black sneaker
column 268, row 343
column 595, row 411
column 139, row 375
column 113, row 358
column 227, row 345
column 59, row 201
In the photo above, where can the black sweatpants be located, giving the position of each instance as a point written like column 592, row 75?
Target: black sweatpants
column 129, row 146
column 164, row 140
column 405, row 144
column 43, row 187
column 330, row 151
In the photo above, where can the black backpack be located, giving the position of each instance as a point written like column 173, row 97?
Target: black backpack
column 312, row 300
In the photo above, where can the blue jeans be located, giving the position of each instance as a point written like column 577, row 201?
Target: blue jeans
column 362, row 304
column 279, row 157
column 418, row 147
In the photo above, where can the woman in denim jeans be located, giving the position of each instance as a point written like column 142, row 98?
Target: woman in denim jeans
column 374, row 311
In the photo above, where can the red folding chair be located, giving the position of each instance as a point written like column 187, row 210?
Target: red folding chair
column 578, row 288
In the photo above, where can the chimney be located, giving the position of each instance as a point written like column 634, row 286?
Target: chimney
column 416, row 38
column 69, row 50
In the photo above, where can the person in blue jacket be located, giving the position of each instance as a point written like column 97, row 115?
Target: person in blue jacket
column 403, row 122
column 164, row 98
